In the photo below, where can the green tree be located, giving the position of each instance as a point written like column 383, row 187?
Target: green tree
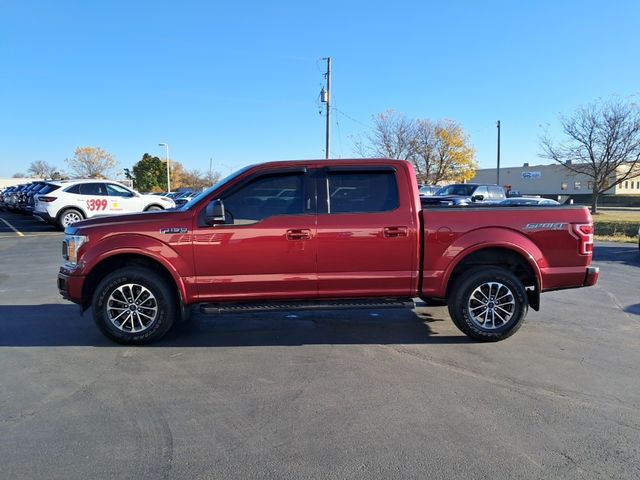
column 150, row 174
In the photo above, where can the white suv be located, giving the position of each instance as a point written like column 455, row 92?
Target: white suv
column 69, row 201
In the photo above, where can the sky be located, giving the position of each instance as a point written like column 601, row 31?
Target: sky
column 239, row 82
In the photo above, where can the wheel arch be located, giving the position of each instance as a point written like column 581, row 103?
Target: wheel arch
column 119, row 260
column 512, row 259
column 151, row 205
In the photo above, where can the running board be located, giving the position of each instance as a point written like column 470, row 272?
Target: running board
column 378, row 303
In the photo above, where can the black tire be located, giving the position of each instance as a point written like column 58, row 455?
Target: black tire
column 69, row 216
column 467, row 304
column 110, row 299
column 153, row 208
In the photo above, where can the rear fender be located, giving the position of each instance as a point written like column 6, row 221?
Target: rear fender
column 485, row 238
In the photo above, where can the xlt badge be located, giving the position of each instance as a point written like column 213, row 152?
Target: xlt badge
column 174, row 230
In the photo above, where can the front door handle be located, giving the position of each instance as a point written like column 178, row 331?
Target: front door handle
column 299, row 234
column 394, row 232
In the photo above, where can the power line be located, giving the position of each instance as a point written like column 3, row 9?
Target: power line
column 369, row 126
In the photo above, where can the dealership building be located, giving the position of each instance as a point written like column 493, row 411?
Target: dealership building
column 555, row 179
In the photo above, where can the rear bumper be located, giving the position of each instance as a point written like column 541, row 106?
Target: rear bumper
column 559, row 278
column 70, row 286
column 591, row 278
column 44, row 216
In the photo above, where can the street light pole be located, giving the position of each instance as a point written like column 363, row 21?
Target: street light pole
column 166, row 145
column 498, row 170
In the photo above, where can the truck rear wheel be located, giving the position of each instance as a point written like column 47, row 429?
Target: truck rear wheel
column 488, row 304
column 134, row 306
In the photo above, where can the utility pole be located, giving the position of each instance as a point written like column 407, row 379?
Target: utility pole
column 498, row 170
column 325, row 97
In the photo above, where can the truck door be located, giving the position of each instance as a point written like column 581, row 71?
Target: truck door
column 267, row 247
column 367, row 233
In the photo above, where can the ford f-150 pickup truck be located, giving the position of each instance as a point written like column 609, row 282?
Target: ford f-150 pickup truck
column 322, row 234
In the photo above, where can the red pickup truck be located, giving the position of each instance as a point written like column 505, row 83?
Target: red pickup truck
column 323, row 234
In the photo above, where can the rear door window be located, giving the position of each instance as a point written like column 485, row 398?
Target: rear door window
column 362, row 191
column 93, row 189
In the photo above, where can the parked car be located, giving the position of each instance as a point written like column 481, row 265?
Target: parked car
column 235, row 249
column 465, row 194
column 66, row 202
column 5, row 197
column 519, row 201
column 428, row 190
column 185, row 198
column 31, row 200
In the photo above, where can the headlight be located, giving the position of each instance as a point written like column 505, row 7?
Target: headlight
column 70, row 246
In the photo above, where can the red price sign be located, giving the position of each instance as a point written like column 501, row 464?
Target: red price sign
column 97, row 204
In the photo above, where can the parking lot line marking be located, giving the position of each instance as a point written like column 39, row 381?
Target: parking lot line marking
column 18, row 232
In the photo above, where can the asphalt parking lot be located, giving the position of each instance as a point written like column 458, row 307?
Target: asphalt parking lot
column 365, row 394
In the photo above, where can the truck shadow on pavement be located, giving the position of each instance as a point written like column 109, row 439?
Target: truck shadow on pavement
column 58, row 325
column 626, row 253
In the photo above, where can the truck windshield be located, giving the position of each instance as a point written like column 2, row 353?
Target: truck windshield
column 464, row 190
column 206, row 192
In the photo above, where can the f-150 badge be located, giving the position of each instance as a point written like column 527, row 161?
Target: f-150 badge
column 174, row 230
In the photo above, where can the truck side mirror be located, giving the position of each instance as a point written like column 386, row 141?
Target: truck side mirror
column 477, row 198
column 214, row 212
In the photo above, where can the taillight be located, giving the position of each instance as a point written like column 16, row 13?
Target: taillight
column 47, row 199
column 585, row 234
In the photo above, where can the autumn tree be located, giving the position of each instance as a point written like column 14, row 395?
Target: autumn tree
column 192, row 179
column 601, row 141
column 91, row 162
column 439, row 151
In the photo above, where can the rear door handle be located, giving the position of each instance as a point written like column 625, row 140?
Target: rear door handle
column 393, row 232
column 299, row 234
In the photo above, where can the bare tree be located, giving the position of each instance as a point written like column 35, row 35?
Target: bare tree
column 91, row 162
column 439, row 151
column 602, row 142
column 392, row 136
column 41, row 169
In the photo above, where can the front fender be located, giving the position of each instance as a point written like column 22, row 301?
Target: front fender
column 136, row 244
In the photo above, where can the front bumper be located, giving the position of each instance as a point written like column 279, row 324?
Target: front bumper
column 70, row 286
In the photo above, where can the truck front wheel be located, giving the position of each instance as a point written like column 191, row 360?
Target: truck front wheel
column 488, row 304
column 134, row 306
